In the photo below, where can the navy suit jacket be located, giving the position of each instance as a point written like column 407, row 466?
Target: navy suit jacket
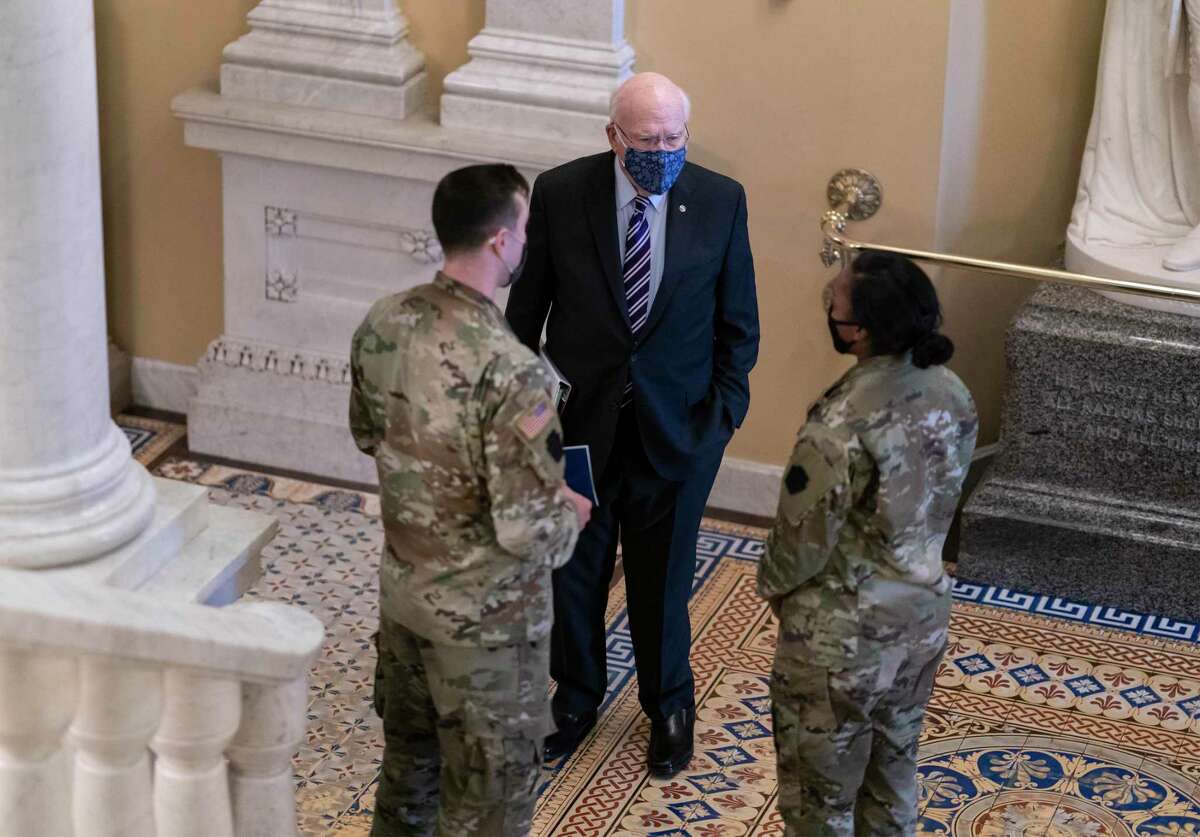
column 690, row 365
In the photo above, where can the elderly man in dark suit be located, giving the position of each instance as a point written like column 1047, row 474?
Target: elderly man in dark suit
column 639, row 269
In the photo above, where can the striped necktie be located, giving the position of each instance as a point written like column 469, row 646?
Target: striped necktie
column 637, row 265
column 637, row 274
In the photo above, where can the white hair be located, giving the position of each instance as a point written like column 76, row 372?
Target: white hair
column 617, row 95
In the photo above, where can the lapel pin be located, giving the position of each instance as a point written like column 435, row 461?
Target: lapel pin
column 682, row 208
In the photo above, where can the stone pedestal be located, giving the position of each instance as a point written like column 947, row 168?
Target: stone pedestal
column 328, row 54
column 1139, row 264
column 1096, row 493
column 327, row 211
column 541, row 70
column 324, row 213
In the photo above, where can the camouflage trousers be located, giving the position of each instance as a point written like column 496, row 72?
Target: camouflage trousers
column 846, row 738
column 463, row 730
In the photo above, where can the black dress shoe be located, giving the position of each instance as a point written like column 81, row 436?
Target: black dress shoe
column 571, row 730
column 671, row 745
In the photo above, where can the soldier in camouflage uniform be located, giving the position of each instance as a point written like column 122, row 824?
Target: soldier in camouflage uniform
column 853, row 567
column 458, row 415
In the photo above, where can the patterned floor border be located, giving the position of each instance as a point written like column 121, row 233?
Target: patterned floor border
column 1075, row 611
column 149, row 438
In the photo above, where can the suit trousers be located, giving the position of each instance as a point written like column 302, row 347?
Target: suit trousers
column 656, row 522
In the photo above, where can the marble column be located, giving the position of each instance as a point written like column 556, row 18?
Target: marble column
column 69, row 489
column 542, row 70
column 351, row 56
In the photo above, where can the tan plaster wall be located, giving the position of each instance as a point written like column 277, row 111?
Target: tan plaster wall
column 785, row 92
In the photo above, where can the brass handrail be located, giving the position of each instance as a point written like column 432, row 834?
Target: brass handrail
column 855, row 194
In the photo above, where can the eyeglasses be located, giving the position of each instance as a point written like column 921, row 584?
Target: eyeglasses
column 669, row 142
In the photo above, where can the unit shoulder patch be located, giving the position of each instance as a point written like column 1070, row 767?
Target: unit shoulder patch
column 796, row 479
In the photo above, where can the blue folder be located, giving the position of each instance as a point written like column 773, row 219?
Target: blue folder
column 579, row 471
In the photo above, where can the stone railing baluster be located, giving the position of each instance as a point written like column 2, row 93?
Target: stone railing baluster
column 37, row 700
column 261, row 780
column 191, row 784
column 133, row 671
column 119, row 709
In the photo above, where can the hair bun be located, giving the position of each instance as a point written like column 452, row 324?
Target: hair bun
column 933, row 349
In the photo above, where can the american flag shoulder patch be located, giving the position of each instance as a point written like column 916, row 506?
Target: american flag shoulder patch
column 535, row 420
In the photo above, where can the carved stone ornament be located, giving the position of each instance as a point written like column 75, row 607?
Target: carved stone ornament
column 282, row 287
column 281, row 222
column 272, row 360
column 421, row 245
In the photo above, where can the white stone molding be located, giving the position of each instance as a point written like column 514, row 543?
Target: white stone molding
column 746, row 487
column 69, row 490
column 279, row 407
column 752, row 488
column 163, row 385
column 268, row 642
column 543, row 70
column 260, row 759
column 37, row 699
column 339, row 55
column 417, row 148
column 278, row 360
column 119, row 707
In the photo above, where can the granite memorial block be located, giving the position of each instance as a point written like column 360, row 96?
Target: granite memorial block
column 1095, row 495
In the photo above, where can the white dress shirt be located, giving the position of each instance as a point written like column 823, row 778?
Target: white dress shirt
column 656, row 217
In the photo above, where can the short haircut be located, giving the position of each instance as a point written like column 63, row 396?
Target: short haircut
column 472, row 204
column 893, row 299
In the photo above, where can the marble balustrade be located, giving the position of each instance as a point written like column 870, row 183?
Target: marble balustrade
column 124, row 715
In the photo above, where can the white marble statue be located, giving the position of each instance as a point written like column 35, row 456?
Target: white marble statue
column 1140, row 183
column 1137, row 214
column 1183, row 57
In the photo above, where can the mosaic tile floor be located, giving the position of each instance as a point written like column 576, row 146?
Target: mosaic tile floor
column 1040, row 724
column 150, row 438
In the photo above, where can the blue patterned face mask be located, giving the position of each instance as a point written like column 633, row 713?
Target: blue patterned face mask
column 654, row 171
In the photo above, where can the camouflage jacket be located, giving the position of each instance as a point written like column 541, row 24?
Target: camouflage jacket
column 867, row 500
column 457, row 414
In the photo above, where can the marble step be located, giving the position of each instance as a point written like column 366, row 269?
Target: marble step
column 220, row 563
column 181, row 513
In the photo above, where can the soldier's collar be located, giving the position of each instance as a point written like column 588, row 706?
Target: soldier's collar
column 878, row 362
column 465, row 292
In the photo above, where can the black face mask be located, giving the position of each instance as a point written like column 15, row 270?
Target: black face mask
column 840, row 345
column 520, row 268
column 514, row 273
